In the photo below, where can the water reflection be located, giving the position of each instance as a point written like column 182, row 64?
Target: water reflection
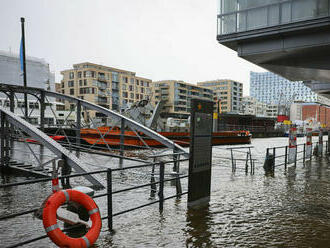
column 198, row 228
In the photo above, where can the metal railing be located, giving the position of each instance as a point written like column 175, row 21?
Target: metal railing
column 281, row 154
column 109, row 193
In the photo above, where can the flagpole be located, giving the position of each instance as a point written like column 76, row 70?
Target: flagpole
column 24, row 68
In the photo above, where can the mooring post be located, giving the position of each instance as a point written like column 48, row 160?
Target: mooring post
column 161, row 186
column 109, row 198
column 122, row 140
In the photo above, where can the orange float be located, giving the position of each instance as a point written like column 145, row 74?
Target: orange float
column 50, row 220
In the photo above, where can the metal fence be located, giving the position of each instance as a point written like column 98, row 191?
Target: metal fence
column 160, row 166
column 281, row 154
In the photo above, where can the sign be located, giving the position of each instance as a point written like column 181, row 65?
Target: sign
column 199, row 179
column 292, row 145
column 287, row 122
column 308, row 142
column 215, row 116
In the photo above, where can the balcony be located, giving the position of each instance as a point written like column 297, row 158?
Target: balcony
column 102, row 79
column 288, row 37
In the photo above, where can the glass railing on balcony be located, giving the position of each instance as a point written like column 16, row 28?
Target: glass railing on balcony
column 245, row 15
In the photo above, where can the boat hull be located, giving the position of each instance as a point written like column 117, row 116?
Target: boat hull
column 139, row 140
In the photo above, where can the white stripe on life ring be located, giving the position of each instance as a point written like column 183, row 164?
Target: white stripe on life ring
column 86, row 241
column 52, row 227
column 93, row 211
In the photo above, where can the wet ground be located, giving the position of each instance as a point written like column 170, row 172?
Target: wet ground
column 291, row 209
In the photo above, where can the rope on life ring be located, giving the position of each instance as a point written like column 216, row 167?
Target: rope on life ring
column 50, row 221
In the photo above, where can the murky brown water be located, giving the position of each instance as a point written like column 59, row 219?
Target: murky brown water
column 291, row 209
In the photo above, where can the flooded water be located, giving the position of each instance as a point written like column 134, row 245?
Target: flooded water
column 291, row 209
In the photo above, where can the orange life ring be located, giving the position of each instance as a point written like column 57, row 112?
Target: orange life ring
column 50, row 221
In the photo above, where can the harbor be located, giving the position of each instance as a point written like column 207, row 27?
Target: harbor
column 165, row 123
column 245, row 210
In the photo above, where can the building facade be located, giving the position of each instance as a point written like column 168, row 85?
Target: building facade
column 177, row 96
column 289, row 38
column 109, row 87
column 227, row 94
column 250, row 106
column 310, row 113
column 37, row 71
column 270, row 88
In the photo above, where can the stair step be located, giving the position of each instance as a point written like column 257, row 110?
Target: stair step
column 16, row 164
column 24, row 166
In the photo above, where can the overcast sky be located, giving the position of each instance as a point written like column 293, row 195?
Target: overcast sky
column 157, row 39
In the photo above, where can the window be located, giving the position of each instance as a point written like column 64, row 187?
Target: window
column 137, row 82
column 62, row 84
column 124, row 87
column 137, row 96
column 71, row 91
column 79, row 74
column 70, row 83
column 132, row 95
column 131, row 88
column 71, row 75
column 80, row 82
column 125, row 94
column 142, row 90
column 85, row 82
column 131, row 80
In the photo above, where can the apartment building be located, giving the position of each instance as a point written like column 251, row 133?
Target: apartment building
column 227, row 94
column 177, row 96
column 251, row 106
column 108, row 87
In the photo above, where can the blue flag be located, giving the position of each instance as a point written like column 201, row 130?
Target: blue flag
column 21, row 55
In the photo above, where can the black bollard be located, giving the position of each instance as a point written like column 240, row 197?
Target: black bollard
column 269, row 165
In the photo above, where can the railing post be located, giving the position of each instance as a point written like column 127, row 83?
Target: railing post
column 232, row 160
column 78, row 126
column 274, row 154
column 161, row 186
column 286, row 158
column 42, row 111
column 176, row 168
column 3, row 136
column 295, row 159
column 304, row 154
column 122, row 140
column 153, row 187
column 109, row 198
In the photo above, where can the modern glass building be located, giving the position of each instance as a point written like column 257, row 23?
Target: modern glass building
column 288, row 37
column 244, row 15
column 270, row 88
